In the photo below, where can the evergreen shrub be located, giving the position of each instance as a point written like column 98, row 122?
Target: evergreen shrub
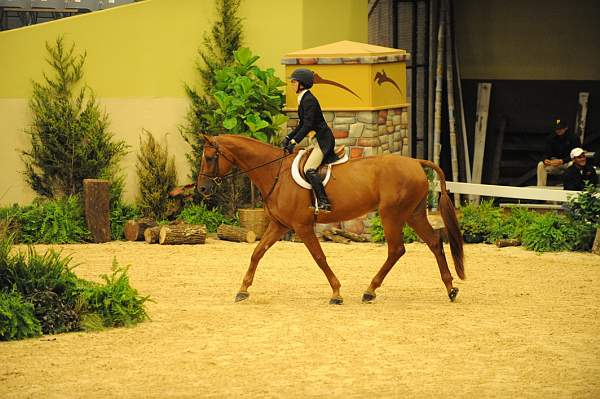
column 70, row 138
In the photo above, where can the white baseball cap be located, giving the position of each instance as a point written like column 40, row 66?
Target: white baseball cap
column 575, row 152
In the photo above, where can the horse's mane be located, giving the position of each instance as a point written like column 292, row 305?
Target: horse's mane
column 252, row 141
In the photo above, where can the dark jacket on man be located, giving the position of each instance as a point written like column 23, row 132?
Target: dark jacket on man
column 559, row 147
column 576, row 177
column 311, row 118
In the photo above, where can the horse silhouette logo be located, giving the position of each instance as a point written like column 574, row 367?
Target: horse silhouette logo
column 381, row 78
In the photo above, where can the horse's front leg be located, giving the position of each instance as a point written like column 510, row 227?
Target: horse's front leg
column 272, row 234
column 307, row 235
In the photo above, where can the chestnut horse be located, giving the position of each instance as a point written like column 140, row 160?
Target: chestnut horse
column 395, row 185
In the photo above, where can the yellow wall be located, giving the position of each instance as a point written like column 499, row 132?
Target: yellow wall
column 138, row 58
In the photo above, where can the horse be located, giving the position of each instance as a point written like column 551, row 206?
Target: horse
column 395, row 185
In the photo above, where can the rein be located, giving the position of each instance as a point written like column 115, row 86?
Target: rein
column 218, row 180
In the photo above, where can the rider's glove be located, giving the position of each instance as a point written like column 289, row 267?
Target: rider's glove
column 285, row 142
column 289, row 148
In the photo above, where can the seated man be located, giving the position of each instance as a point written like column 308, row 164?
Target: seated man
column 580, row 173
column 557, row 159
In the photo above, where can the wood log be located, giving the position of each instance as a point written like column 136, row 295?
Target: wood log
column 349, row 235
column 97, row 208
column 596, row 245
column 151, row 234
column 134, row 229
column 182, row 234
column 511, row 242
column 329, row 236
column 235, row 233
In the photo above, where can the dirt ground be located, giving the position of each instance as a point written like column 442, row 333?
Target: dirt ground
column 523, row 326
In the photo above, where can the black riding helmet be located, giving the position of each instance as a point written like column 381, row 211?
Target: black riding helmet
column 304, row 76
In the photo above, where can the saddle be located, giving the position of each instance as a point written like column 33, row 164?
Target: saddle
column 324, row 171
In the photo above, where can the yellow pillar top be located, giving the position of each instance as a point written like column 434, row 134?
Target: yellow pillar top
column 345, row 52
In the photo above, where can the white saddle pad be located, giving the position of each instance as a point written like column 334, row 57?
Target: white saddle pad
column 303, row 183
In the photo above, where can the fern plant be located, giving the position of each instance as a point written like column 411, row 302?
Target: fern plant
column 17, row 318
column 70, row 138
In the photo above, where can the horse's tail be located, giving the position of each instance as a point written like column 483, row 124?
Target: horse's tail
column 450, row 221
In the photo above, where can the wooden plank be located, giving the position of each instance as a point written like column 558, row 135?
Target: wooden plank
column 498, row 151
column 582, row 110
column 483, row 104
column 490, row 190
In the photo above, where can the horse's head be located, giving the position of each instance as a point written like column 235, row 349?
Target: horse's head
column 214, row 164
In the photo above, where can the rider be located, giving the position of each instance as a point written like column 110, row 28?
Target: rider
column 321, row 138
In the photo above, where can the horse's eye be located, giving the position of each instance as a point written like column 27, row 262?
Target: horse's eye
column 209, row 158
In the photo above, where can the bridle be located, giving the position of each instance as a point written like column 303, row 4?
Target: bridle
column 218, row 180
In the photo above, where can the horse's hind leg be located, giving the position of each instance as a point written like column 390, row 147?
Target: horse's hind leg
column 393, row 222
column 307, row 235
column 272, row 234
column 418, row 221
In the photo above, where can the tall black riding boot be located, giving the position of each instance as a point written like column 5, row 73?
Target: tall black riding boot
column 322, row 200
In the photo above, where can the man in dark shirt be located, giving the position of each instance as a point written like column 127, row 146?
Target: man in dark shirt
column 557, row 158
column 580, row 173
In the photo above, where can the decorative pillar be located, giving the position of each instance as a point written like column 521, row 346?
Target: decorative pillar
column 362, row 92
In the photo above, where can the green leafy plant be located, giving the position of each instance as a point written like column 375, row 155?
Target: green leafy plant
column 551, row 232
column 57, row 221
column 57, row 299
column 157, row 176
column 512, row 225
column 377, row 232
column 585, row 207
column 47, row 282
column 199, row 214
column 120, row 213
column 249, row 99
column 17, row 318
column 70, row 140
column 116, row 302
column 478, row 221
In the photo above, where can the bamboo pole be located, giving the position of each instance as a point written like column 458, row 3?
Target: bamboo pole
column 467, row 156
column 450, row 92
column 437, row 121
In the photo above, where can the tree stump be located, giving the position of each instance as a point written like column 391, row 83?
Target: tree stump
column 596, row 246
column 151, row 234
column 182, row 234
column 97, row 208
column 235, row 233
column 134, row 229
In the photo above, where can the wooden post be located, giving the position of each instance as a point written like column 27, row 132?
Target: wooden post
column 596, row 246
column 97, row 208
column 235, row 233
column 483, row 103
column 134, row 229
column 437, row 121
column 450, row 92
column 182, row 234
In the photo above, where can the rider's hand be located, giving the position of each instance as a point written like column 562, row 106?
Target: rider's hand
column 289, row 148
column 285, row 142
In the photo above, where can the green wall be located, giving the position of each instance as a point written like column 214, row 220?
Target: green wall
column 138, row 58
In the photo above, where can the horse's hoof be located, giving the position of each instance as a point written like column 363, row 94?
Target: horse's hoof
column 241, row 296
column 452, row 294
column 368, row 297
column 336, row 301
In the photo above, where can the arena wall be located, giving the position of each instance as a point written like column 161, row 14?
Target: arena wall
column 138, row 58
